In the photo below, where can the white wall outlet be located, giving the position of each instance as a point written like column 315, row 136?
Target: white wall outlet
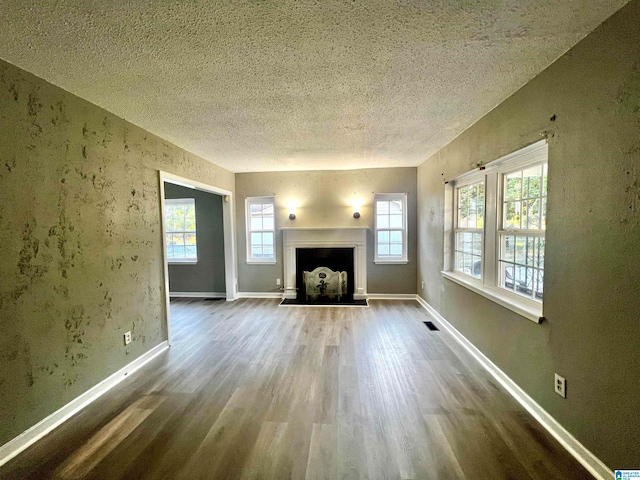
column 561, row 386
column 127, row 338
column 278, row 281
column 423, row 284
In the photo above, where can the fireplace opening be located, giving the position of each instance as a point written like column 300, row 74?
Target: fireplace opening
column 335, row 259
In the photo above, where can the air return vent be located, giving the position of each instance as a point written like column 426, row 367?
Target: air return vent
column 431, row 326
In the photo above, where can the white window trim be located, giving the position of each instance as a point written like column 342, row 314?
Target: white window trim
column 476, row 177
column 488, row 285
column 388, row 197
column 247, row 203
column 183, row 261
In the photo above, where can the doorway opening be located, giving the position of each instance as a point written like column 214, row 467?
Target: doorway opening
column 198, row 241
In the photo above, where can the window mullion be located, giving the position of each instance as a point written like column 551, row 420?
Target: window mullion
column 491, row 223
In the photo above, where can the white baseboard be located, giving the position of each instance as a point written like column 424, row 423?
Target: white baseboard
column 588, row 460
column 40, row 429
column 260, row 295
column 391, row 296
column 370, row 296
column 197, row 295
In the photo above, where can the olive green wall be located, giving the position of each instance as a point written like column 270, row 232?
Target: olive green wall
column 324, row 200
column 81, row 244
column 592, row 295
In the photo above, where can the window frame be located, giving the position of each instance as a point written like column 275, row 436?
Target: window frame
column 493, row 174
column 501, row 230
column 467, row 181
column 248, row 231
column 390, row 197
column 181, row 201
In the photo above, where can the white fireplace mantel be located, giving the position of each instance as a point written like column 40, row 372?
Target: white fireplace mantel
column 325, row 237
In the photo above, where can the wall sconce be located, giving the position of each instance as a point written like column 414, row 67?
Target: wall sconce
column 356, row 209
column 292, row 210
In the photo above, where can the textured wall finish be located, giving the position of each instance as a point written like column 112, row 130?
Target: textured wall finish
column 207, row 275
column 81, row 244
column 591, row 299
column 296, row 85
column 324, row 199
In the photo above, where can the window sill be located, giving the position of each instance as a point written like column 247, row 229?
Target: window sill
column 261, row 262
column 522, row 308
column 182, row 262
column 391, row 262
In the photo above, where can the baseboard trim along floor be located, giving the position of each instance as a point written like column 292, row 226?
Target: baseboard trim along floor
column 40, row 429
column 391, row 296
column 197, row 295
column 369, row 296
column 588, row 460
column 259, row 294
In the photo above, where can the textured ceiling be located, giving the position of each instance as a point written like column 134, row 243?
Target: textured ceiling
column 296, row 85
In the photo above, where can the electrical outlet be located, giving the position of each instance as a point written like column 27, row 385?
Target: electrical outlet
column 561, row 386
column 277, row 281
column 127, row 338
column 423, row 284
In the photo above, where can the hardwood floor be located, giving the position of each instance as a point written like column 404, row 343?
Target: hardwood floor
column 253, row 390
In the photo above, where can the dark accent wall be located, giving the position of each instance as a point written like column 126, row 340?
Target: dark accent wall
column 588, row 104
column 208, row 274
column 324, row 200
column 81, row 244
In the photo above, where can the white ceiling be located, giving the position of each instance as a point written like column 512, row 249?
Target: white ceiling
column 296, row 85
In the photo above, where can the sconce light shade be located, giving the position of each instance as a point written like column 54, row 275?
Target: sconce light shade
column 356, row 204
column 291, row 206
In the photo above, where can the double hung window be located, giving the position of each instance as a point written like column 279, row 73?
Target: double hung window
column 469, row 228
column 180, row 228
column 495, row 234
column 390, row 228
column 260, row 218
column 521, row 236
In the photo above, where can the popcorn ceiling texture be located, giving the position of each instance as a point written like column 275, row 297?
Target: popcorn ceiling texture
column 259, row 86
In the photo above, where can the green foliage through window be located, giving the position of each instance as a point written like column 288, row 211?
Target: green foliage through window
column 522, row 242
column 470, row 223
column 180, row 226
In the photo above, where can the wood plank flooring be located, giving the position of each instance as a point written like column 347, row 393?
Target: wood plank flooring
column 255, row 391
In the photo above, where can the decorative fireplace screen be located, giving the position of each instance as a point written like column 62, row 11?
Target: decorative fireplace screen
column 324, row 282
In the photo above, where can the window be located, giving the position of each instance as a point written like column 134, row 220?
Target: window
column 521, row 236
column 260, row 230
column 391, row 228
column 469, row 229
column 495, row 233
column 180, row 222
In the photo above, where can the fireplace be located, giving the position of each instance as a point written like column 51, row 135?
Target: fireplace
column 338, row 238
column 336, row 259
